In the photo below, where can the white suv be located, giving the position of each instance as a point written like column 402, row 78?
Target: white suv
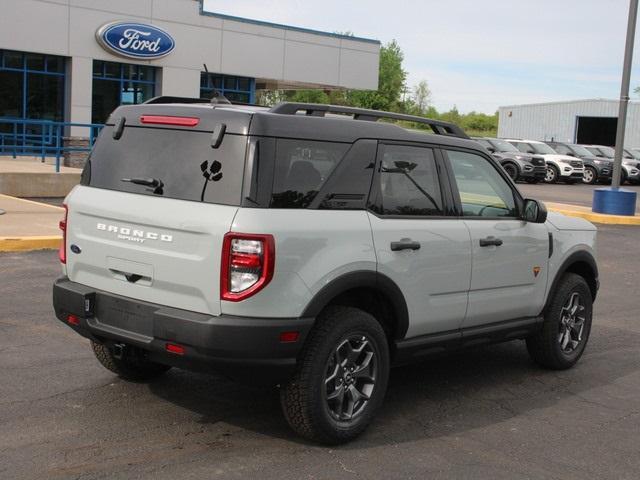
column 311, row 251
column 559, row 167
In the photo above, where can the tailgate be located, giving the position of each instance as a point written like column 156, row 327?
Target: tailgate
column 160, row 250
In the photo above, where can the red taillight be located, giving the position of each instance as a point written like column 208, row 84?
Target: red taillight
column 168, row 120
column 289, row 337
column 247, row 265
column 173, row 348
column 73, row 320
column 62, row 251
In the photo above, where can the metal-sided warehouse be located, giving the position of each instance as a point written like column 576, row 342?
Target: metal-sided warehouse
column 577, row 121
column 66, row 64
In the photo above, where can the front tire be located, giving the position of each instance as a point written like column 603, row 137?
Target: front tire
column 552, row 174
column 131, row 366
column 512, row 170
column 567, row 325
column 341, row 378
column 590, row 176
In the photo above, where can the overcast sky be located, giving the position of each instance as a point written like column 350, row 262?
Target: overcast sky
column 475, row 54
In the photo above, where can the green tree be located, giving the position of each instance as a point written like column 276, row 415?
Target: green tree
column 310, row 96
column 391, row 82
column 637, row 91
column 421, row 97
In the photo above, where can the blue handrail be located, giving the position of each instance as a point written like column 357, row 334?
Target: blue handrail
column 43, row 138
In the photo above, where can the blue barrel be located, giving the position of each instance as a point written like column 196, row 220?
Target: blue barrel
column 614, row 201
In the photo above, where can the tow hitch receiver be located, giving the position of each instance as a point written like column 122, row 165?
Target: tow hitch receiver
column 118, row 350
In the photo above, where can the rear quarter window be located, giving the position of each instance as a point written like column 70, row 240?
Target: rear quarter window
column 301, row 168
column 184, row 161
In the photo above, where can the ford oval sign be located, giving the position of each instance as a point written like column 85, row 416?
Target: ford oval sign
column 135, row 40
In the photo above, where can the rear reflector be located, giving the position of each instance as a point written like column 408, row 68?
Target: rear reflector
column 173, row 348
column 289, row 337
column 168, row 120
column 73, row 320
column 62, row 251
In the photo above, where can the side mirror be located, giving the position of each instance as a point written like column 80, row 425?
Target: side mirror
column 534, row 211
column 530, row 150
column 571, row 154
column 491, row 149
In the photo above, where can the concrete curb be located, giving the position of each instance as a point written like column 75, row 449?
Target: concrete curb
column 25, row 244
column 587, row 214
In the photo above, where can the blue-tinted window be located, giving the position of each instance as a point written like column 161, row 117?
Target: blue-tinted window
column 116, row 84
column 31, row 86
column 235, row 89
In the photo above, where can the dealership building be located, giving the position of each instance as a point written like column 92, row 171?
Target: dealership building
column 76, row 60
column 579, row 121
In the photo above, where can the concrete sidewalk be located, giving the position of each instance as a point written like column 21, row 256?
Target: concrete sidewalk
column 28, row 225
column 32, row 178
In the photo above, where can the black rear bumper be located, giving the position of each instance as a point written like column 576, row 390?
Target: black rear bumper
column 246, row 349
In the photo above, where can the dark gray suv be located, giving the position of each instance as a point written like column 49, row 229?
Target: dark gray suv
column 517, row 164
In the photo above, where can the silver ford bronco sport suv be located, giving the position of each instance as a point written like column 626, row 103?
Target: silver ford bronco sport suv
column 311, row 247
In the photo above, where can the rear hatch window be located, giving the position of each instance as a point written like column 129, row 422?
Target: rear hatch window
column 169, row 163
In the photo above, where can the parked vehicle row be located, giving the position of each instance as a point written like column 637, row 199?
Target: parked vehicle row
column 532, row 161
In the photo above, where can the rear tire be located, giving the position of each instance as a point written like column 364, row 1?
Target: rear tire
column 347, row 350
column 567, row 325
column 132, row 366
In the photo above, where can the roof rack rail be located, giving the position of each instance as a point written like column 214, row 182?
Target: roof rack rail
column 170, row 99
column 319, row 110
column 216, row 99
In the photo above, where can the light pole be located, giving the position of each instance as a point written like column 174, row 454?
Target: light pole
column 615, row 200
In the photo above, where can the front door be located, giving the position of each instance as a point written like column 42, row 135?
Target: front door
column 509, row 268
column 427, row 254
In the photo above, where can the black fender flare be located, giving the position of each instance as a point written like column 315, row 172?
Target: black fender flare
column 574, row 258
column 363, row 279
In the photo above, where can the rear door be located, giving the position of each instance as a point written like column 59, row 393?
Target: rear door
column 425, row 252
column 160, row 239
column 509, row 268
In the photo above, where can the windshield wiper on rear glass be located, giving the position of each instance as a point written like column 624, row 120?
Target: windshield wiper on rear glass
column 155, row 184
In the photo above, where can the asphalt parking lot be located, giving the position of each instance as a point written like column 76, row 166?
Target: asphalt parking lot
column 485, row 413
column 577, row 194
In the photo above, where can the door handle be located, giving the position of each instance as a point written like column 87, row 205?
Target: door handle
column 490, row 241
column 405, row 244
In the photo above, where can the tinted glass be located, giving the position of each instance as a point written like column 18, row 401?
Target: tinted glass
column 35, row 61
column 521, row 146
column 580, row 151
column 13, row 60
column 409, row 182
column 183, row 161
column 106, row 97
column 11, row 94
column 503, row 146
column 483, row 191
column 45, row 96
column 542, row 148
column 301, row 168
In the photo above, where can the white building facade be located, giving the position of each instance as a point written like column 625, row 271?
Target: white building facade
column 580, row 121
column 55, row 66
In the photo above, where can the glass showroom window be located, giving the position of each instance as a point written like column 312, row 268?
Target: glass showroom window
column 236, row 89
column 116, row 84
column 31, row 86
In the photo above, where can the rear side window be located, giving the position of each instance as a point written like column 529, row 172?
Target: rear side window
column 301, row 168
column 182, row 163
column 408, row 182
